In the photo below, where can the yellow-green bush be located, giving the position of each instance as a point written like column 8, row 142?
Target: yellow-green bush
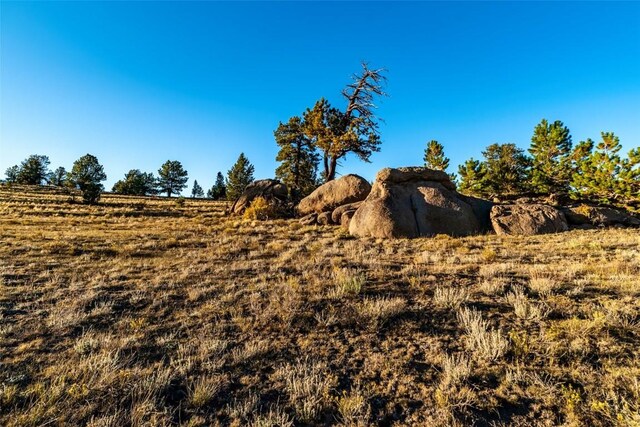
column 260, row 209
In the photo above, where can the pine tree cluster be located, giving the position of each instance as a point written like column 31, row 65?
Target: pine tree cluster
column 589, row 171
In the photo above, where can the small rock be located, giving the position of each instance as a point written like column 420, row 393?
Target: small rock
column 325, row 218
column 311, row 219
column 345, row 218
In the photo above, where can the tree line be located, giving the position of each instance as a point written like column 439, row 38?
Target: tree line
column 323, row 133
column 311, row 146
column 87, row 175
column 590, row 170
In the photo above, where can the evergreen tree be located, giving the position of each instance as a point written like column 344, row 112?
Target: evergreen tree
column 58, row 177
column 579, row 156
column 219, row 189
column 434, row 156
column 601, row 175
column 136, row 183
column 506, row 170
column 34, row 170
column 336, row 133
column 238, row 177
column 87, row 174
column 299, row 162
column 472, row 178
column 12, row 174
column 172, row 178
column 550, row 164
column 196, row 191
column 630, row 177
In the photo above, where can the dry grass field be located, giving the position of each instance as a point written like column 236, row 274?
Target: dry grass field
column 139, row 311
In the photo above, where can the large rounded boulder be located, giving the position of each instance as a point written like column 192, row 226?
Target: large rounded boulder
column 327, row 197
column 273, row 191
column 414, row 202
column 527, row 219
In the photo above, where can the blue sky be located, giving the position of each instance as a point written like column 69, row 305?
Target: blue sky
column 139, row 83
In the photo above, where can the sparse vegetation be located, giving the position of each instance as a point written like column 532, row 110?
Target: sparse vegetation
column 450, row 297
column 115, row 315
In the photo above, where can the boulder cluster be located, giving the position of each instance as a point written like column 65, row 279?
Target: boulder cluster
column 334, row 202
column 415, row 202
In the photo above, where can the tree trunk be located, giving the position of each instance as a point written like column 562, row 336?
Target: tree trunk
column 331, row 173
column 325, row 161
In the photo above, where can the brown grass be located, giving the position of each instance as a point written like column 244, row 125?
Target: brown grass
column 138, row 311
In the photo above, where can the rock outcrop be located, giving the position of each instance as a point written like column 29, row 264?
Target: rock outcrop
column 329, row 196
column 270, row 189
column 527, row 219
column 414, row 202
column 482, row 211
column 598, row 216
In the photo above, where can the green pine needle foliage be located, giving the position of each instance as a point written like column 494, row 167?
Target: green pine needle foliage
column 550, row 163
column 434, row 157
column 239, row 176
column 602, row 176
column 298, row 159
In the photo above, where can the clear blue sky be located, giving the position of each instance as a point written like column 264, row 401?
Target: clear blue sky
column 139, row 83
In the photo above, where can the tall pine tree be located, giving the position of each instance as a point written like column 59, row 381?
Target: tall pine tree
column 238, row 177
column 58, row 177
column 34, row 170
column 434, row 156
column 196, row 191
column 12, row 174
column 299, row 161
column 507, row 170
column 630, row 177
column 551, row 152
column 219, row 189
column 172, row 178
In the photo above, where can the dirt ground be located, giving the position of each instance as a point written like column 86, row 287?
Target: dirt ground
column 139, row 311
